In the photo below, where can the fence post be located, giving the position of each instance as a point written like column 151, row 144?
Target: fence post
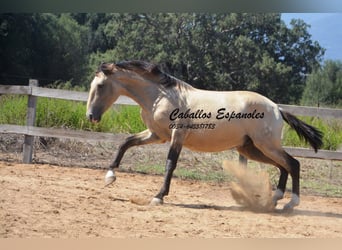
column 31, row 117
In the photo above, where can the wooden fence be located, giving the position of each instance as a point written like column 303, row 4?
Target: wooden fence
column 30, row 131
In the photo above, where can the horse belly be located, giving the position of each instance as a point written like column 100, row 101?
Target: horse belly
column 214, row 140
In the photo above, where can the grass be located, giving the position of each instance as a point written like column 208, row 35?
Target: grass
column 13, row 109
column 331, row 128
column 186, row 173
column 318, row 177
column 126, row 119
column 69, row 114
column 320, row 188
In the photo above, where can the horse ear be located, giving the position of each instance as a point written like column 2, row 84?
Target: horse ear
column 108, row 68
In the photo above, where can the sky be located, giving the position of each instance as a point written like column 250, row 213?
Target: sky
column 326, row 29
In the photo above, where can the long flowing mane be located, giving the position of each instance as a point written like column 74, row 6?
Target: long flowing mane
column 150, row 71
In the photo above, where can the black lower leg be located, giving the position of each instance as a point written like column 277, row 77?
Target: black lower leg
column 171, row 164
column 142, row 138
column 295, row 169
column 282, row 179
column 167, row 180
column 243, row 160
column 130, row 142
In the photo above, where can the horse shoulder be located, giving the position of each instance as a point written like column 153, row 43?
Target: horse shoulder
column 157, row 121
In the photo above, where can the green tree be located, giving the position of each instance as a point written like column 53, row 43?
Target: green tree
column 217, row 51
column 44, row 46
column 237, row 51
column 324, row 86
column 16, row 36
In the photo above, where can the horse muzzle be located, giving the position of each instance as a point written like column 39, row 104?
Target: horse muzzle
column 93, row 118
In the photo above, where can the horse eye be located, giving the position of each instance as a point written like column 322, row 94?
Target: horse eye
column 100, row 86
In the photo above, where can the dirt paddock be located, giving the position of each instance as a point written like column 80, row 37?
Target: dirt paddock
column 42, row 200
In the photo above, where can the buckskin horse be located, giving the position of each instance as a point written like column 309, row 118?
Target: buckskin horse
column 201, row 120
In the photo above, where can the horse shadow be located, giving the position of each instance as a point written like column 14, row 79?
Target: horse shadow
column 275, row 212
column 236, row 208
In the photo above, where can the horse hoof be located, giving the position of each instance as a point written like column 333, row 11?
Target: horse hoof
column 278, row 195
column 290, row 206
column 275, row 202
column 156, row 202
column 110, row 177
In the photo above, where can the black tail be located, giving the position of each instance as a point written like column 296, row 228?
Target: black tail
column 305, row 131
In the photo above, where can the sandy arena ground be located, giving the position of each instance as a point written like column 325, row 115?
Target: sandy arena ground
column 43, row 200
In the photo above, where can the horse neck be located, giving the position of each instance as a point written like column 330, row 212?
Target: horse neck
column 145, row 93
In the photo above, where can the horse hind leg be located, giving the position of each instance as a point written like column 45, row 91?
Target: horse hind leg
column 248, row 150
column 287, row 164
column 280, row 191
column 295, row 172
column 243, row 160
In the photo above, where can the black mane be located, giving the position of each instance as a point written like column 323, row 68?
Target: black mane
column 148, row 70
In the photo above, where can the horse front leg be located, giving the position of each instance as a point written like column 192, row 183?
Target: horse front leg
column 170, row 166
column 142, row 138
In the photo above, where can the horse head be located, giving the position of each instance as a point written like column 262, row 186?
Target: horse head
column 103, row 92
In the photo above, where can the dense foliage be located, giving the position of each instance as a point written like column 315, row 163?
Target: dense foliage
column 255, row 52
column 324, row 86
column 43, row 46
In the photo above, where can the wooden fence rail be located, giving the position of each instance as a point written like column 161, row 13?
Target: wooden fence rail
column 30, row 131
column 56, row 93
